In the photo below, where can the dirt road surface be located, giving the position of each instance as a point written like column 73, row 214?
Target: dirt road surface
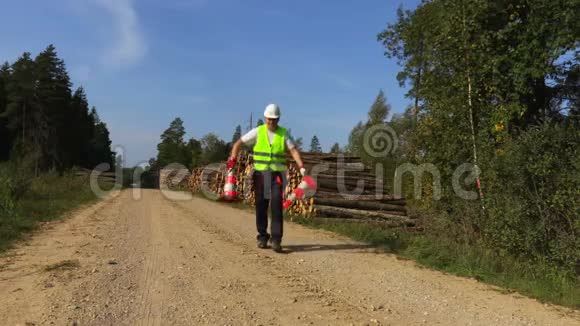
column 154, row 261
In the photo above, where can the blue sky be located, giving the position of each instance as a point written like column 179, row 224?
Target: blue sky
column 213, row 62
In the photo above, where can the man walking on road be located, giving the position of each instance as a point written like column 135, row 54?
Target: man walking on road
column 270, row 145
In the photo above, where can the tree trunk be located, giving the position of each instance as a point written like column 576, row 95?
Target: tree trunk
column 322, row 210
column 380, row 198
column 333, row 166
column 384, row 223
column 471, row 114
column 347, row 178
column 367, row 205
column 349, row 184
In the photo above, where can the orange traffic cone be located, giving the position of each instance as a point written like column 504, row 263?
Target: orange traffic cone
column 230, row 188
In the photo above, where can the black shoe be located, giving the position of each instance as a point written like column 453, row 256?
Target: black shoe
column 263, row 241
column 276, row 245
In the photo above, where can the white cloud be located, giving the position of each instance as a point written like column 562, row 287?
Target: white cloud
column 129, row 44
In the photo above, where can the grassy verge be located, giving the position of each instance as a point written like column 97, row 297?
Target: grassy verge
column 45, row 198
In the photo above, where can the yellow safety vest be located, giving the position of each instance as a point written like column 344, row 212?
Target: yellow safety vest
column 268, row 156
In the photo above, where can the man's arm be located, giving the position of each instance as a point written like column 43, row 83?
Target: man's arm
column 249, row 137
column 296, row 156
column 295, row 153
column 235, row 149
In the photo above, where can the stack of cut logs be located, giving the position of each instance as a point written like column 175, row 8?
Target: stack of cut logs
column 174, row 178
column 195, row 180
column 302, row 207
column 349, row 190
column 337, row 196
column 212, row 177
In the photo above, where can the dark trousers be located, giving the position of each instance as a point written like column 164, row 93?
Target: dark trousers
column 268, row 187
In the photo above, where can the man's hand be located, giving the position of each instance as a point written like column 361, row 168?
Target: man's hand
column 231, row 163
column 302, row 171
column 234, row 154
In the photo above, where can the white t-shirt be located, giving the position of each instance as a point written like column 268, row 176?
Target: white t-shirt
column 251, row 136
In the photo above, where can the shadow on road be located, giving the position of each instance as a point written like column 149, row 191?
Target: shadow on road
column 319, row 247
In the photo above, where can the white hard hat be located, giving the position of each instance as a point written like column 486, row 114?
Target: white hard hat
column 272, row 111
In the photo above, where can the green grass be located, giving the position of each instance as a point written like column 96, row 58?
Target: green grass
column 539, row 281
column 47, row 198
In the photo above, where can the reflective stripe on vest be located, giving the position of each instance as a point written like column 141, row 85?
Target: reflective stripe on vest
column 270, row 156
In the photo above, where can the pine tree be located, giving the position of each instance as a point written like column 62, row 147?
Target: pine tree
column 299, row 143
column 172, row 148
column 335, row 149
column 315, row 145
column 379, row 110
column 355, row 139
column 25, row 115
column 260, row 122
column 82, row 129
column 5, row 134
column 100, row 143
column 42, row 124
column 237, row 134
column 54, row 93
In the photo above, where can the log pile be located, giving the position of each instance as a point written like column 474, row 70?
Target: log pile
column 336, row 198
column 194, row 181
column 349, row 190
column 301, row 207
column 176, row 179
column 212, row 177
column 247, row 193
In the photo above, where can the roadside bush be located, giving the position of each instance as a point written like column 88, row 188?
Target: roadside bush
column 534, row 201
